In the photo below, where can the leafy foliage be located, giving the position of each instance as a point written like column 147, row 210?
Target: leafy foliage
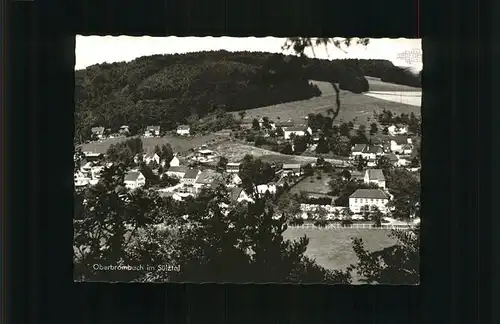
column 397, row 264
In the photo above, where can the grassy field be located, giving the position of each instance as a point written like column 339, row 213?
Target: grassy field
column 352, row 105
column 378, row 85
column 332, row 248
column 312, row 185
column 179, row 144
column 235, row 152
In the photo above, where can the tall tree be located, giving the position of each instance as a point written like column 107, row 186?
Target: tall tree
column 255, row 124
column 221, row 165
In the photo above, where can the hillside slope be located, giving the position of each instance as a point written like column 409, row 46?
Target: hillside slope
column 169, row 90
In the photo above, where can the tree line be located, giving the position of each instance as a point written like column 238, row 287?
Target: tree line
column 202, row 236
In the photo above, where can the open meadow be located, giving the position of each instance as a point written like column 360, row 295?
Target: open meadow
column 332, row 248
column 313, row 185
column 179, row 144
column 359, row 106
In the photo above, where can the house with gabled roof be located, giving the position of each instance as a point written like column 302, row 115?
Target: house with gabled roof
column 151, row 157
column 152, row 131
column 375, row 176
column 183, row 130
column 237, row 194
column 233, row 167
column 368, row 197
column 294, row 169
column 175, row 162
column 134, row 179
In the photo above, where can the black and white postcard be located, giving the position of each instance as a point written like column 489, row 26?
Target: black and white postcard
column 247, row 160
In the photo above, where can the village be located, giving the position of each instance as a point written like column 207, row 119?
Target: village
column 204, row 167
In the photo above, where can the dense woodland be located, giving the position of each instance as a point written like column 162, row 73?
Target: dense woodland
column 169, row 90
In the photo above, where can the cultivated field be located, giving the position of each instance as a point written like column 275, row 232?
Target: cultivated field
column 235, row 152
column 332, row 248
column 353, row 105
column 378, row 85
column 179, row 144
column 313, row 185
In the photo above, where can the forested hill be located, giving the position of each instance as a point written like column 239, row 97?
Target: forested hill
column 168, row 90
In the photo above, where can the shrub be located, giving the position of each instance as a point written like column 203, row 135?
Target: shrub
column 321, row 223
column 296, row 221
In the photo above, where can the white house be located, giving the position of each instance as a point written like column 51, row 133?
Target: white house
column 407, row 149
column 397, row 130
column 206, row 179
column 292, row 169
column 263, row 188
column 235, row 180
column 183, row 129
column 368, row 197
column 80, row 179
column 375, row 176
column 134, row 179
column 152, row 131
column 237, row 194
column 297, row 131
column 174, row 162
column 149, row 158
column 233, row 167
column 369, row 152
column 205, row 155
column 177, row 171
column 398, row 143
column 190, row 176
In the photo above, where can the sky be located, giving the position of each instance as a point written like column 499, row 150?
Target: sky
column 99, row 49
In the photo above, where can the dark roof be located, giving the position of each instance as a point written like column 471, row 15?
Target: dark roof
column 400, row 140
column 132, row 175
column 369, row 193
column 207, row 177
column 392, row 157
column 235, row 193
column 291, row 166
column 191, row 174
column 295, row 129
column 372, row 149
column 155, row 128
column 97, row 129
column 375, row 174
